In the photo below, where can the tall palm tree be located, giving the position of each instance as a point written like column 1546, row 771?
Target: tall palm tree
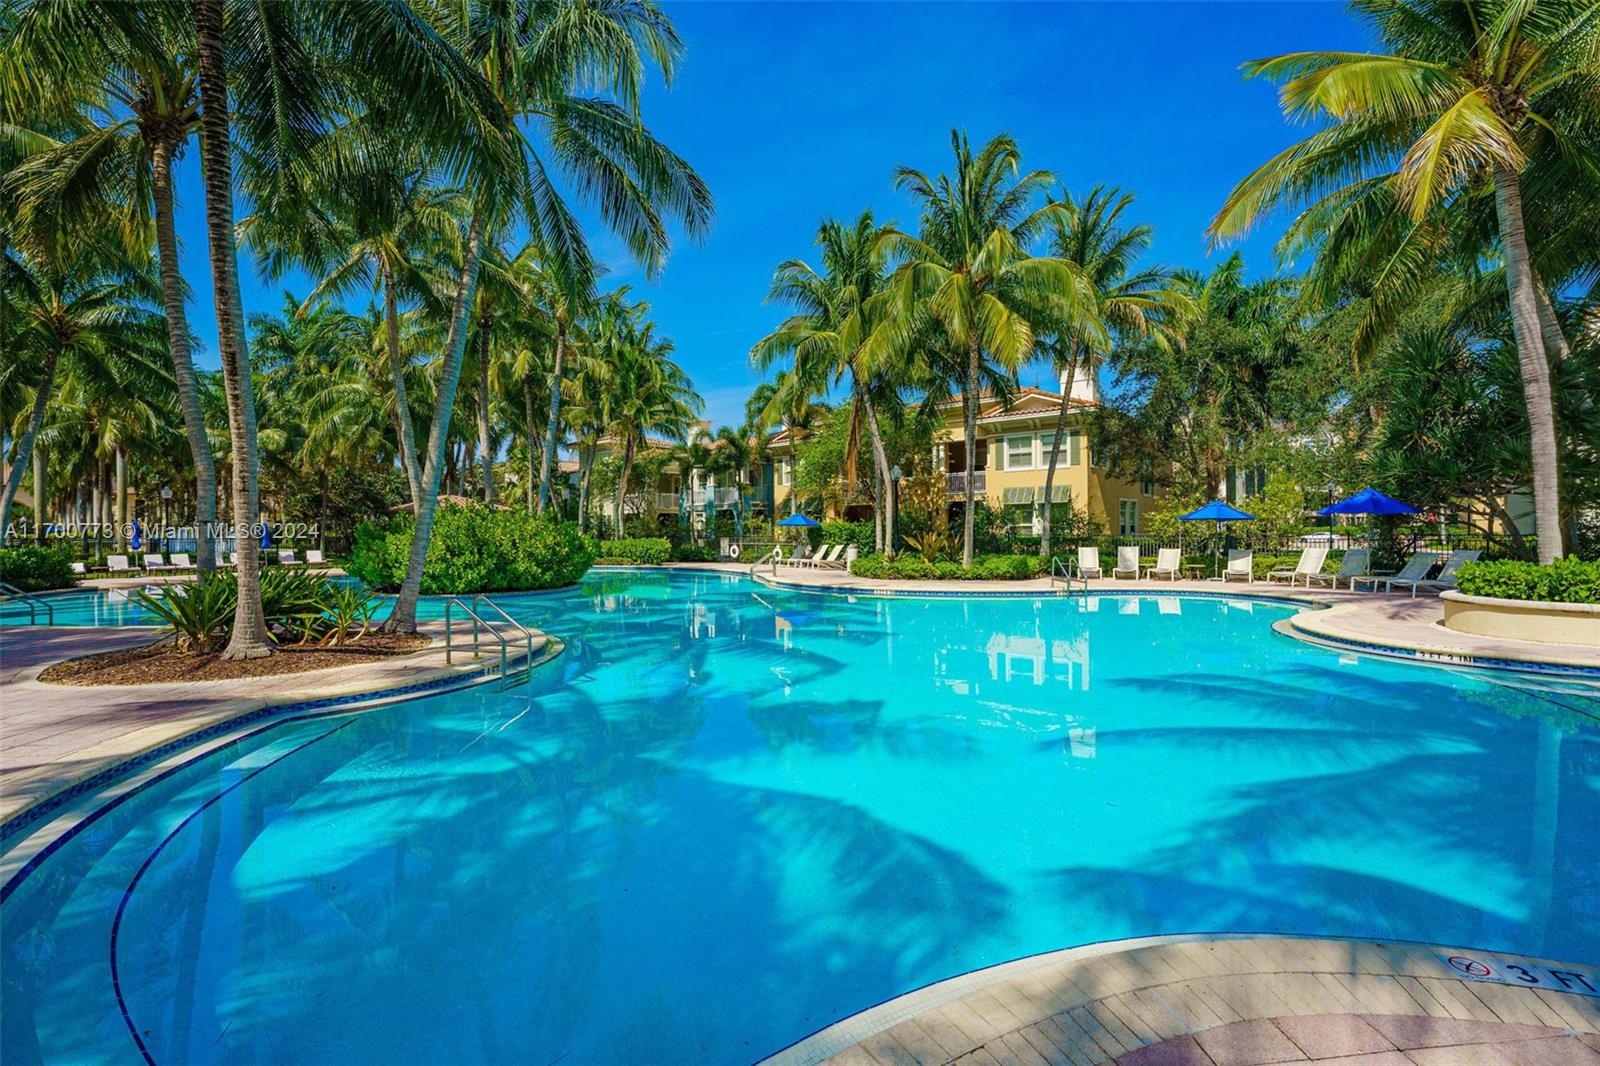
column 135, row 107
column 1466, row 93
column 970, row 272
column 536, row 59
column 1125, row 303
column 653, row 395
column 837, row 310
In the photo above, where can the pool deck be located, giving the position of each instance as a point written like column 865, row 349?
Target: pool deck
column 1220, row 1000
column 1370, row 622
column 53, row 736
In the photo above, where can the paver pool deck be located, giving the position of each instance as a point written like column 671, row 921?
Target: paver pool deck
column 53, row 736
column 1231, row 1001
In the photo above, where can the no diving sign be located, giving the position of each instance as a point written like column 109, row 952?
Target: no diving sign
column 1496, row 970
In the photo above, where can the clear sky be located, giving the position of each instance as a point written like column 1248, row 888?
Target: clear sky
column 793, row 112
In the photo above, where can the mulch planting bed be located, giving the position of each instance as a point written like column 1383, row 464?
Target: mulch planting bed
column 161, row 662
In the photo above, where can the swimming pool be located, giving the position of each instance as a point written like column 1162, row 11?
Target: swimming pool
column 727, row 816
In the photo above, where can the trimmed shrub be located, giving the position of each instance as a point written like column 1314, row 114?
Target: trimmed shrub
column 909, row 567
column 475, row 549
column 859, row 534
column 689, row 552
column 34, row 569
column 635, row 551
column 1568, row 580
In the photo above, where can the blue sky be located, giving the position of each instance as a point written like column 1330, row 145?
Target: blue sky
column 796, row 111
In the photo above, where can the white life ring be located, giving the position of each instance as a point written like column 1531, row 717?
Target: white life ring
column 777, row 555
column 733, row 551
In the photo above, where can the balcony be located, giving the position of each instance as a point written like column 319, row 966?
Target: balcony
column 667, row 501
column 956, row 482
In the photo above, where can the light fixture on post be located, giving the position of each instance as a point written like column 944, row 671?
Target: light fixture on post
column 166, row 519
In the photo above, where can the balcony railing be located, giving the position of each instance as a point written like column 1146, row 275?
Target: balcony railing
column 667, row 501
column 956, row 482
column 722, row 496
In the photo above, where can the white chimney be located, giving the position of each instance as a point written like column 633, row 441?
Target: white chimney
column 1085, row 384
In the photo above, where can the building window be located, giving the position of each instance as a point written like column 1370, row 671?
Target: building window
column 1147, row 487
column 1128, row 515
column 1018, row 452
column 784, row 471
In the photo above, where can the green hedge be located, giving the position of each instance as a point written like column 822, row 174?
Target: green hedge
column 635, row 551
column 474, row 549
column 1569, row 580
column 911, row 567
column 34, row 569
column 859, row 534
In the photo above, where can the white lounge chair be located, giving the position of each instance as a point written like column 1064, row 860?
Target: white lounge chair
column 118, row 564
column 825, row 558
column 835, row 559
column 1446, row 578
column 1127, row 561
column 1241, row 566
column 286, row 558
column 79, row 568
column 153, row 561
column 1416, row 569
column 314, row 557
column 1353, row 565
column 180, row 561
column 1169, row 564
column 1089, row 563
column 1310, row 564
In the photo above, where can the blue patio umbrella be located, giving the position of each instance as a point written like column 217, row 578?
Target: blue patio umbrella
column 1369, row 501
column 266, row 537
column 1218, row 511
column 138, row 536
column 798, row 521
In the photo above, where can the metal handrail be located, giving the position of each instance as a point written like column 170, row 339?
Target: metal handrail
column 477, row 621
column 1059, row 567
column 774, row 557
column 527, row 634
column 11, row 592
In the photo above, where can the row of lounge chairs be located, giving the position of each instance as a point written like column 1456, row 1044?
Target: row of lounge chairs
column 1353, row 568
column 826, row 557
column 154, row 563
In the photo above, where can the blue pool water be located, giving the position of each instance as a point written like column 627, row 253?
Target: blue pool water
column 726, row 816
column 81, row 607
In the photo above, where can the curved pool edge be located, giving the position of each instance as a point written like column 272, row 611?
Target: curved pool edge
column 33, row 833
column 1112, row 997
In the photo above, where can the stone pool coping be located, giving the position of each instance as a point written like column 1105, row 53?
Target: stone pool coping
column 1143, row 1000
column 62, row 741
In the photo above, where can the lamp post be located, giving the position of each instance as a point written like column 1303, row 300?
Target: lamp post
column 166, row 515
column 894, row 504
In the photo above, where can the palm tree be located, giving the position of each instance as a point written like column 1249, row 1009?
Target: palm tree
column 535, row 58
column 136, row 108
column 1465, row 95
column 970, row 272
column 652, row 395
column 72, row 305
column 1126, row 304
column 837, row 310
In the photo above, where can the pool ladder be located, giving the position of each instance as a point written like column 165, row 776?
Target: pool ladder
column 475, row 609
column 1059, row 569
column 35, row 604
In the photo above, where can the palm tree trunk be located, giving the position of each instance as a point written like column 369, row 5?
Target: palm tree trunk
column 485, row 449
column 1535, row 364
column 38, row 495
column 969, row 410
column 881, row 457
column 622, row 482
column 586, row 462
column 403, row 617
column 25, row 446
column 122, row 499
column 194, row 423
column 1555, row 341
column 250, row 639
column 553, row 430
column 533, row 464
column 1055, row 453
column 397, row 370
